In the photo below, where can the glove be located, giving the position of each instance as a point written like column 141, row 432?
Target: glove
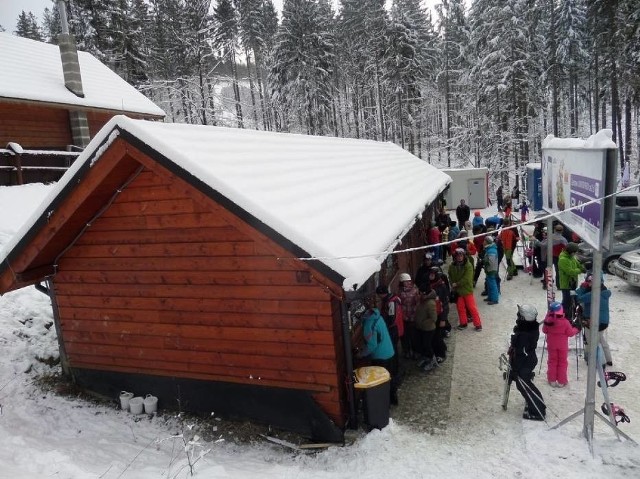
column 585, row 285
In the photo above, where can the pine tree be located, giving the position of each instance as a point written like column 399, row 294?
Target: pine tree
column 301, row 73
column 227, row 36
column 27, row 27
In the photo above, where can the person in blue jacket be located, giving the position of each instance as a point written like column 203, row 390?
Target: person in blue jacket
column 377, row 343
column 583, row 295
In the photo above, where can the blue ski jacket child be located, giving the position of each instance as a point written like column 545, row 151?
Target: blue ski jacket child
column 376, row 336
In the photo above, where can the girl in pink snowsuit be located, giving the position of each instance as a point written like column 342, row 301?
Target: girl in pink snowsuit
column 558, row 329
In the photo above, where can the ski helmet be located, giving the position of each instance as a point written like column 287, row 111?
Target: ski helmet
column 527, row 312
column 556, row 308
column 404, row 277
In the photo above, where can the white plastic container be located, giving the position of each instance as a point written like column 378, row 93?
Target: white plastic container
column 136, row 405
column 125, row 397
column 150, row 404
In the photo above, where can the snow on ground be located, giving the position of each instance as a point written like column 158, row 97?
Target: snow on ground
column 52, row 435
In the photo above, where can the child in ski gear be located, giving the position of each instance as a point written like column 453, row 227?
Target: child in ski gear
column 558, row 329
column 524, row 211
column 491, row 270
column 409, row 295
column 477, row 220
column 440, row 285
column 391, row 311
column 523, row 361
column 583, row 296
column 377, row 343
column 426, row 318
column 461, row 279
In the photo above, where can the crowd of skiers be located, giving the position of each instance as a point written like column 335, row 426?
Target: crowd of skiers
column 414, row 321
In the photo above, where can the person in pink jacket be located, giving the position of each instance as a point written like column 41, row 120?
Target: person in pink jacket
column 558, row 329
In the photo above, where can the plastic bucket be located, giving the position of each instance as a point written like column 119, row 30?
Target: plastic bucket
column 150, row 404
column 125, row 397
column 135, row 405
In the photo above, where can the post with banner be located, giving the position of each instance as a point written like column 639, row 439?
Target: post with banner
column 579, row 179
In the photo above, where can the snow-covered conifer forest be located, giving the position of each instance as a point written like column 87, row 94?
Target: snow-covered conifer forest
column 477, row 83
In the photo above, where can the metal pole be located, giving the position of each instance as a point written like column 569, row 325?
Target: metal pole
column 590, row 397
column 62, row 10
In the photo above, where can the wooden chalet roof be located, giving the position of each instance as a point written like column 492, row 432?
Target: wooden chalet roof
column 346, row 203
column 32, row 72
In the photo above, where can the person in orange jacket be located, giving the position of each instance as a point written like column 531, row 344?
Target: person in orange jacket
column 509, row 239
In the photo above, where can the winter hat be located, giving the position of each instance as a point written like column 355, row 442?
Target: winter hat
column 527, row 312
column 428, row 256
column 434, row 270
column 382, row 289
column 404, row 277
column 477, row 213
column 559, row 228
column 459, row 251
column 488, row 239
column 556, row 308
column 572, row 248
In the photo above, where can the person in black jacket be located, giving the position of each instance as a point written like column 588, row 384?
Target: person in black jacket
column 523, row 361
column 463, row 213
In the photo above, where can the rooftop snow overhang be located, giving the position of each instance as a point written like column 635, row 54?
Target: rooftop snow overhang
column 80, row 194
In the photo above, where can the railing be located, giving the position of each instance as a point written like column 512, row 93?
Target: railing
column 19, row 166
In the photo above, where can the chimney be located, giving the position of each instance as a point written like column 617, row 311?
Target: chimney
column 72, row 78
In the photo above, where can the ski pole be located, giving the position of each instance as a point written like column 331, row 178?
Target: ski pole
column 542, row 355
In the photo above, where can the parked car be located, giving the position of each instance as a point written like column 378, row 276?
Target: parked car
column 622, row 243
column 627, row 267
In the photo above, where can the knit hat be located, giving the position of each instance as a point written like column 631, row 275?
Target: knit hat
column 488, row 239
column 559, row 228
column 428, row 256
column 459, row 251
column 572, row 248
column 404, row 277
column 477, row 213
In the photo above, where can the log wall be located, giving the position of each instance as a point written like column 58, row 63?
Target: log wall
column 162, row 284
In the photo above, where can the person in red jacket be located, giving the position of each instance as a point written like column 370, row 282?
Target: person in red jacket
column 558, row 329
column 434, row 236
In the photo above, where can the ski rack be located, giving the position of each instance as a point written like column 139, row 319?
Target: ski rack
column 612, row 410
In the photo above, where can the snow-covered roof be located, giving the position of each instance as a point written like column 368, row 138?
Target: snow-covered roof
column 32, row 71
column 344, row 201
column 600, row 140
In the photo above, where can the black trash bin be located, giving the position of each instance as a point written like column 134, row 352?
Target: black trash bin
column 374, row 382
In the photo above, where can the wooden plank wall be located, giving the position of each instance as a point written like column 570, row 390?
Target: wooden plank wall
column 34, row 126
column 162, row 285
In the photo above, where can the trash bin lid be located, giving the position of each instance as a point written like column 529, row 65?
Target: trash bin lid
column 369, row 376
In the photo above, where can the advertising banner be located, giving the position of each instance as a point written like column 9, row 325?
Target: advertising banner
column 576, row 176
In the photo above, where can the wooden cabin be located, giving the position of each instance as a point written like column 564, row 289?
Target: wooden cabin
column 37, row 109
column 213, row 267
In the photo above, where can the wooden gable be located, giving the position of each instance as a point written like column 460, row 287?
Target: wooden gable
column 152, row 276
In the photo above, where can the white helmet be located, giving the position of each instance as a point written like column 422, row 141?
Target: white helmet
column 527, row 312
column 404, row 277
